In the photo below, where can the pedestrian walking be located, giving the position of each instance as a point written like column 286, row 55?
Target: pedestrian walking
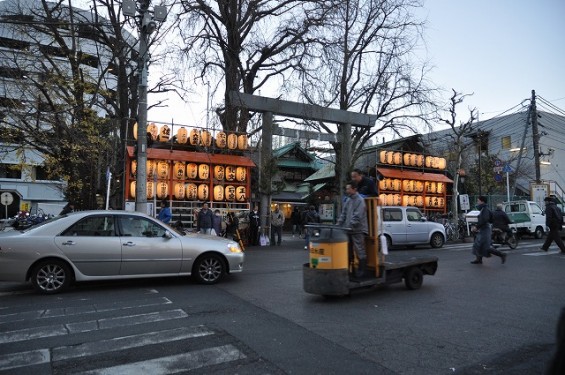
column 217, row 223
column 295, row 221
column 554, row 221
column 277, row 222
column 482, row 247
column 165, row 214
column 254, row 225
column 204, row 220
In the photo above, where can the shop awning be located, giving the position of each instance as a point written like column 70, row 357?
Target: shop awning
column 405, row 174
column 196, row 157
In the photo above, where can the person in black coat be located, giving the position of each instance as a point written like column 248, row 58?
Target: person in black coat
column 482, row 247
column 500, row 220
column 366, row 187
column 254, row 225
column 554, row 221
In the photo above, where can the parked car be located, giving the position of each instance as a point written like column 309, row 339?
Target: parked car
column 407, row 226
column 104, row 245
column 527, row 217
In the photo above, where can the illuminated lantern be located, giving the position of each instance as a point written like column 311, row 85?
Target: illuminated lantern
column 435, row 162
column 203, row 171
column 164, row 134
column 191, row 192
column 219, row 173
column 382, row 184
column 203, row 192
column 412, row 159
column 179, row 169
column 182, row 135
column 179, row 191
column 241, row 174
column 230, row 193
column 194, row 137
column 441, row 202
column 242, row 142
column 427, row 201
column 150, row 189
column 218, row 193
column 419, row 160
column 440, row 187
column 205, row 138
column 433, row 187
column 191, row 171
column 153, row 130
column 221, row 140
column 162, row 169
column 135, row 131
column 406, row 158
column 419, row 201
column 442, row 163
column 419, row 186
column 428, row 161
column 382, row 156
column 396, row 200
column 405, row 200
column 435, row 201
column 382, row 199
column 133, row 167
column 232, row 141
column 396, row 184
column 406, row 185
column 132, row 188
column 397, row 158
column 240, row 194
column 230, row 173
column 389, row 157
column 413, row 199
column 151, row 168
column 162, row 190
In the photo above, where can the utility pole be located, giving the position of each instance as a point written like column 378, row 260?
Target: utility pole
column 535, row 136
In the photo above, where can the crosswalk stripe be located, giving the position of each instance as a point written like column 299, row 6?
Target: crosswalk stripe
column 128, row 342
column 542, row 253
column 22, row 359
column 92, row 325
column 175, row 363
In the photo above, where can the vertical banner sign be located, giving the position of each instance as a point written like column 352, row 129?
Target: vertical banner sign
column 539, row 192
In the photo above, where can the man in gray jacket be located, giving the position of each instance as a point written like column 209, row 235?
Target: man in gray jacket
column 354, row 216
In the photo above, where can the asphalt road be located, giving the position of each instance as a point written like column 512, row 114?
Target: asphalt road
column 467, row 319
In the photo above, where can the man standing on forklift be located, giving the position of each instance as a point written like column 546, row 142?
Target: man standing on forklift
column 354, row 216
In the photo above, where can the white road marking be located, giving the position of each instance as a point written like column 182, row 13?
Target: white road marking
column 128, row 342
column 22, row 359
column 175, row 363
column 542, row 253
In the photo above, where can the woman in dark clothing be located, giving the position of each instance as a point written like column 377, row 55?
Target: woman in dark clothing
column 482, row 246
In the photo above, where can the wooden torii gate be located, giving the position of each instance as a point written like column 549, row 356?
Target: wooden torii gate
column 269, row 107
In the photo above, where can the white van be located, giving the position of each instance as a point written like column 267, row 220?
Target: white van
column 527, row 217
column 407, row 226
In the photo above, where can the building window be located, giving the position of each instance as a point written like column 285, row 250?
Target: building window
column 10, row 171
column 14, row 44
column 506, row 143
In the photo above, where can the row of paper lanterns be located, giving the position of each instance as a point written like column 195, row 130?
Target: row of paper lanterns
column 191, row 171
column 412, row 160
column 412, row 186
column 182, row 191
column 412, row 200
column 196, row 137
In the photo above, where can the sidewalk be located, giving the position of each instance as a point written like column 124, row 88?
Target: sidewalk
column 288, row 243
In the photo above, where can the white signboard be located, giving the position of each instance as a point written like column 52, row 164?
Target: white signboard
column 539, row 192
column 327, row 212
column 464, row 202
column 6, row 198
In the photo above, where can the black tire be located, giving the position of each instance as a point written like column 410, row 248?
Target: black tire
column 413, row 278
column 538, row 233
column 51, row 276
column 512, row 241
column 437, row 240
column 209, row 269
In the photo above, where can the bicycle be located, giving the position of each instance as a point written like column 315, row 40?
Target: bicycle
column 451, row 231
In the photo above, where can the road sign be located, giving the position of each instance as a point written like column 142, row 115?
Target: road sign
column 6, row 198
column 497, row 163
column 507, row 169
column 498, row 177
column 464, row 202
column 497, row 169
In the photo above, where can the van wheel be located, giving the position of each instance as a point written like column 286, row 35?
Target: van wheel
column 413, row 278
column 538, row 233
column 437, row 240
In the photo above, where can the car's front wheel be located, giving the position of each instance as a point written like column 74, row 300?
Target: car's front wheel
column 437, row 240
column 209, row 269
column 51, row 276
column 538, row 233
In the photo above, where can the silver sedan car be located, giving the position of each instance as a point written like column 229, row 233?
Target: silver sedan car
column 105, row 245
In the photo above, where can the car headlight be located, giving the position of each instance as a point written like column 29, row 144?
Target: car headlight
column 234, row 248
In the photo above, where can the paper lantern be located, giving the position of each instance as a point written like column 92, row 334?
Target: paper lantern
column 194, row 137
column 413, row 159
column 150, row 189
column 241, row 194
column 241, row 174
column 428, row 161
column 435, row 162
column 221, row 140
column 242, row 142
column 153, row 130
column 232, row 141
column 419, row 201
column 382, row 199
column 433, row 187
column 440, row 187
column 406, row 158
column 405, row 199
column 162, row 190
column 132, row 187
column 218, row 193
column 397, row 158
column 134, row 130
column 133, row 167
column 427, row 202
column 203, row 192
column 182, row 135
column 179, row 170
column 406, row 185
column 396, row 184
column 203, row 171
column 230, row 172
column 164, row 134
column 382, row 156
column 205, row 138
column 389, row 157
column 191, row 192
column 179, row 191
column 419, row 186
column 230, row 193
column 382, row 184
column 419, row 160
column 441, row 202
column 442, row 163
column 396, row 200
column 162, row 169
column 191, row 171
column 151, row 168
column 219, row 173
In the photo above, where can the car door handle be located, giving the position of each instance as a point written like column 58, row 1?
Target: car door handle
column 69, row 243
column 129, row 244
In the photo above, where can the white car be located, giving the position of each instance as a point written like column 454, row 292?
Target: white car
column 105, row 245
column 407, row 226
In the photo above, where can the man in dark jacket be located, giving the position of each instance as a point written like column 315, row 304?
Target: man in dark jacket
column 254, row 225
column 482, row 246
column 204, row 220
column 500, row 220
column 366, row 187
column 554, row 221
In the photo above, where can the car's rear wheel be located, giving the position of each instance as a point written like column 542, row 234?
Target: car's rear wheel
column 51, row 276
column 209, row 269
column 437, row 240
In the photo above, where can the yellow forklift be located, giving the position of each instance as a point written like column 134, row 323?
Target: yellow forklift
column 331, row 265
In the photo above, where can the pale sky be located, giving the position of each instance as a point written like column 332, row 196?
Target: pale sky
column 499, row 50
